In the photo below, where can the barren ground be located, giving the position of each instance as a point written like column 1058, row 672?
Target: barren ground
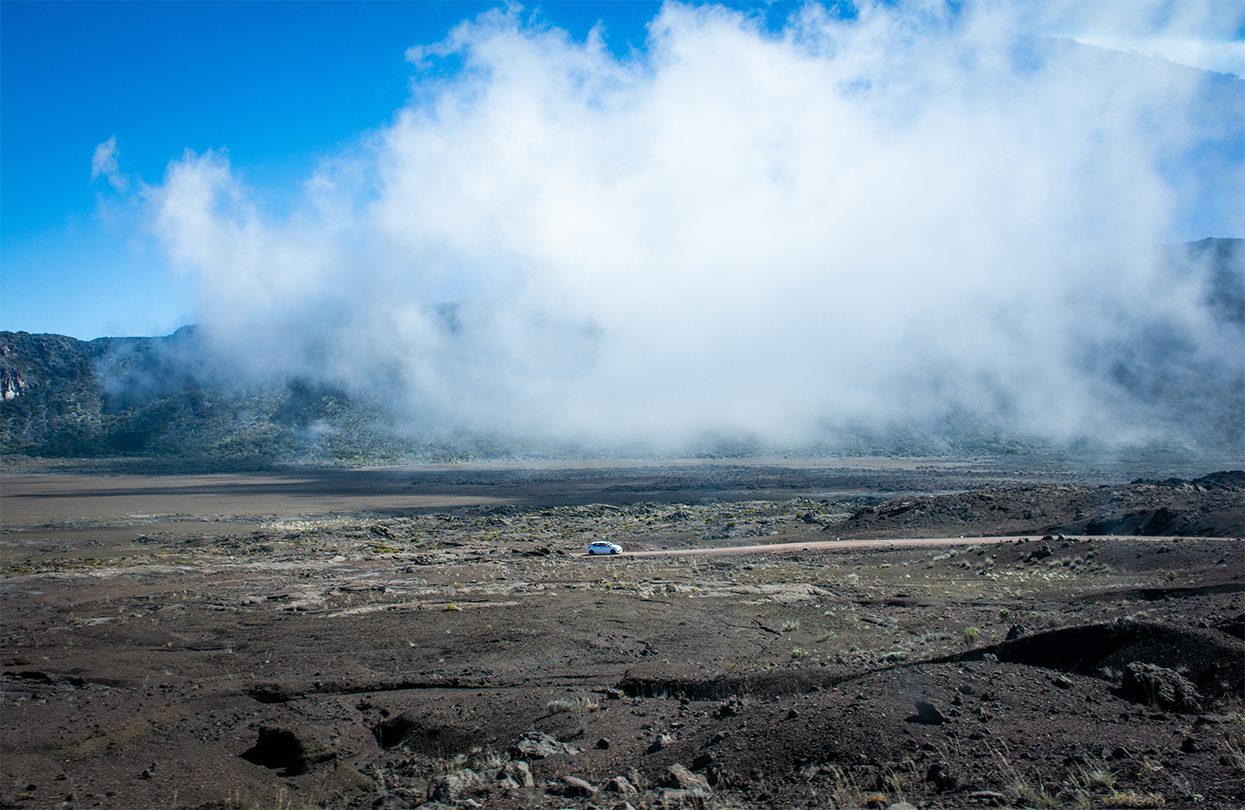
column 435, row 636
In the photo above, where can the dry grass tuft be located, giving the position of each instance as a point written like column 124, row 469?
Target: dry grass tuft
column 1132, row 799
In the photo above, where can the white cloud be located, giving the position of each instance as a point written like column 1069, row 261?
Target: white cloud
column 104, row 164
column 737, row 231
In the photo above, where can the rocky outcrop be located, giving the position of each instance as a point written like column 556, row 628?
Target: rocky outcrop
column 1153, row 685
column 12, row 383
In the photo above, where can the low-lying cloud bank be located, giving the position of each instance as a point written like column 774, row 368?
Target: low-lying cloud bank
column 876, row 221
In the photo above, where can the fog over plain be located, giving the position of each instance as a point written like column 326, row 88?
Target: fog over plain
column 745, row 232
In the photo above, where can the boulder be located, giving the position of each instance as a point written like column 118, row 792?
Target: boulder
column 659, row 742
column 620, row 785
column 574, row 787
column 1153, row 685
column 941, row 777
column 537, row 745
column 520, row 772
column 680, row 778
column 929, row 714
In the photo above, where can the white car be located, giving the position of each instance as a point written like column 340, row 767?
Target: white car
column 604, row 547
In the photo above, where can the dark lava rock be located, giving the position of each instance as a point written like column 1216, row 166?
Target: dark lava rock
column 1040, row 553
column 413, row 731
column 1234, row 626
column 1212, row 661
column 1016, row 631
column 574, row 787
column 703, row 761
column 660, row 742
column 928, row 713
column 1153, row 685
column 940, row 776
column 283, row 749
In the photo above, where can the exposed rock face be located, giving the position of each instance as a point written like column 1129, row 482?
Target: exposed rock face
column 520, row 772
column 1158, row 686
column 12, row 383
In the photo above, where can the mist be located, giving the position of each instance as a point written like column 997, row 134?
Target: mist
column 866, row 223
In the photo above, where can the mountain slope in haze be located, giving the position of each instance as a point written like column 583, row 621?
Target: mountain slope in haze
column 161, row 397
column 170, row 397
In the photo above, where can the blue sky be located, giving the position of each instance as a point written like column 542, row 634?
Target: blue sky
column 277, row 87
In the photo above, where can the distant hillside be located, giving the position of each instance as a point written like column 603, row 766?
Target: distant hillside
column 168, row 397
column 160, row 397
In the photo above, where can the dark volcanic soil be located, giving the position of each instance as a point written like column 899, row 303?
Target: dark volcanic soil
column 415, row 654
column 1210, row 506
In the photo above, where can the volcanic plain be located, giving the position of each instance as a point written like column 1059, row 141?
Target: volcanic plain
column 778, row 633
